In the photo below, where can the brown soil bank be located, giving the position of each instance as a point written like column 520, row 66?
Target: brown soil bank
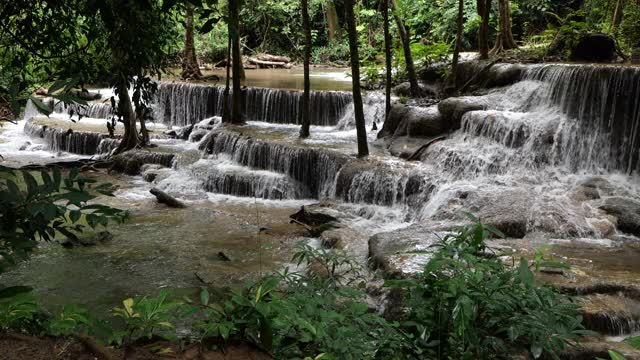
column 21, row 347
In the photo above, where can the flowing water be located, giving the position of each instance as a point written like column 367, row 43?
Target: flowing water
column 521, row 162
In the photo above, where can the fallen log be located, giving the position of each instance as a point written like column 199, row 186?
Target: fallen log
column 268, row 64
column 416, row 155
column 268, row 57
column 164, row 198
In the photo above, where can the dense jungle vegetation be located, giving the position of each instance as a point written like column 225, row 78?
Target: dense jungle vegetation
column 467, row 303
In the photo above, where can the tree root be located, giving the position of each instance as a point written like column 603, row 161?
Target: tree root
column 98, row 350
column 416, row 155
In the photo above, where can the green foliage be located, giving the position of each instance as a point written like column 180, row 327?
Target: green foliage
column 32, row 210
column 18, row 312
column 468, row 304
column 144, row 317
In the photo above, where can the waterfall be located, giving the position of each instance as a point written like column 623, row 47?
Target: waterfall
column 316, row 169
column 180, row 104
column 91, row 110
column 81, row 142
column 601, row 103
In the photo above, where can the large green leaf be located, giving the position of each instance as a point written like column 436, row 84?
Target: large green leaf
column 40, row 105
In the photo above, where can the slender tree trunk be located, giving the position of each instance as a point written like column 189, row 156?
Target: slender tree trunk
column 484, row 11
column 456, row 50
column 306, row 98
column 405, row 36
column 387, row 56
column 226, row 114
column 618, row 14
column 190, row 67
column 125, row 110
column 234, row 31
column 332, row 20
column 363, row 148
column 505, row 39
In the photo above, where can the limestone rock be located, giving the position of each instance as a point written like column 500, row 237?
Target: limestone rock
column 402, row 253
column 452, row 109
column 627, row 212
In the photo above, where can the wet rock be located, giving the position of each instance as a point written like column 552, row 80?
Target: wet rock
column 91, row 240
column 315, row 219
column 404, row 89
column 626, row 211
column 87, row 95
column 635, row 56
column 390, row 127
column 164, row 198
column 424, row 122
column 181, row 133
column 453, row 109
column 339, row 238
column 150, row 172
column 197, row 135
column 24, row 146
column 402, row 253
column 594, row 48
column 590, row 348
column 610, row 314
column 131, row 162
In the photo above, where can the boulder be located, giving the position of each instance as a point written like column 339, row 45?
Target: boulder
column 397, row 113
column 424, row 122
column 453, row 109
column 91, row 240
column 131, row 162
column 594, row 48
column 197, row 135
column 181, row 133
column 404, row 89
column 594, row 188
column 626, row 211
column 403, row 253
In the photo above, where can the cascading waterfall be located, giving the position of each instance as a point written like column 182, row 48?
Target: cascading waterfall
column 91, row 110
column 185, row 104
column 313, row 168
column 602, row 105
column 80, row 142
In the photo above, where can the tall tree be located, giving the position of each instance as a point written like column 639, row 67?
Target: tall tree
column 618, row 14
column 456, row 50
column 190, row 67
column 405, row 37
column 306, row 98
column 484, row 11
column 505, row 39
column 236, row 57
column 387, row 58
column 333, row 24
column 363, row 148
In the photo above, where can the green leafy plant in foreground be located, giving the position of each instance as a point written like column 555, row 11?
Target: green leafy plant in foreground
column 33, row 210
column 469, row 304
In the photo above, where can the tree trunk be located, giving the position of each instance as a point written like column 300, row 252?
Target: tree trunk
column 505, row 39
column 387, row 56
column 363, row 149
column 306, row 98
column 226, row 114
column 125, row 110
column 456, row 50
column 234, row 31
column 332, row 20
column 190, row 67
column 405, row 36
column 618, row 14
column 484, row 11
